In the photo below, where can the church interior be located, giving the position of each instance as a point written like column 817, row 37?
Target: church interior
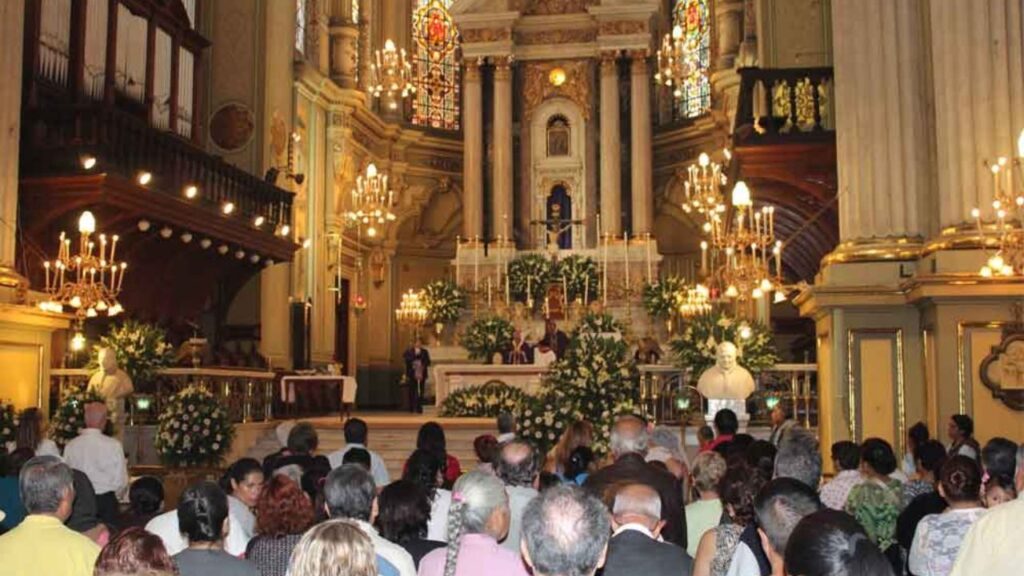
column 297, row 196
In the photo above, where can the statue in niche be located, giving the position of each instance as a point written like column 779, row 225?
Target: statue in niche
column 558, row 137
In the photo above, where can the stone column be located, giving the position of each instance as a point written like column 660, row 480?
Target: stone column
column 882, row 134
column 473, row 153
column 12, row 23
column 501, row 210
column 344, row 54
column 640, row 108
column 611, row 147
column 979, row 99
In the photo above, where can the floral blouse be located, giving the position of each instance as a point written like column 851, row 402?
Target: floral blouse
column 876, row 505
column 937, row 541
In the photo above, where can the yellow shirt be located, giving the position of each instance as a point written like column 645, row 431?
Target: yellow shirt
column 42, row 545
column 993, row 547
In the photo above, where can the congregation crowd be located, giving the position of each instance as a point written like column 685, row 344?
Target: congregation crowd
column 740, row 507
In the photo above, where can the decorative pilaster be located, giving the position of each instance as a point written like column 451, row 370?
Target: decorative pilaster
column 979, row 99
column 640, row 108
column 12, row 23
column 344, row 54
column 473, row 153
column 882, row 136
column 501, row 210
column 611, row 147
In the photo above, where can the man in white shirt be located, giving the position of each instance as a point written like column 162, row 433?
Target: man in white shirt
column 518, row 467
column 993, row 545
column 356, row 434
column 166, row 527
column 102, row 459
column 506, row 423
column 349, row 493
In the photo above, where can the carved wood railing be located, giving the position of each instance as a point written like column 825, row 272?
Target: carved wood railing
column 126, row 144
column 784, row 105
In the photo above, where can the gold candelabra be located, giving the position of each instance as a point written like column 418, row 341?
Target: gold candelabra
column 704, row 185
column 1008, row 208
column 391, row 75
column 372, row 202
column 675, row 61
column 89, row 281
column 411, row 311
column 696, row 300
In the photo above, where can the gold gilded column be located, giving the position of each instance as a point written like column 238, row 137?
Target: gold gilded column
column 12, row 22
column 640, row 108
column 611, row 147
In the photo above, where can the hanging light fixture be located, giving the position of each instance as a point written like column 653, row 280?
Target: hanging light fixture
column 89, row 281
column 674, row 61
column 391, row 75
column 1008, row 208
column 412, row 311
column 372, row 202
column 704, row 185
column 695, row 301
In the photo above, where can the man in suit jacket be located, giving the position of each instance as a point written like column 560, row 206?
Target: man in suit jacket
column 636, row 546
column 628, row 446
column 417, row 364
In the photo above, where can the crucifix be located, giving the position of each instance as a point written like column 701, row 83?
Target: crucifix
column 554, row 227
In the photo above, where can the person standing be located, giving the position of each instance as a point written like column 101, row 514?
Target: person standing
column 102, row 459
column 417, row 364
column 635, row 546
column 555, row 339
column 781, row 423
column 520, row 353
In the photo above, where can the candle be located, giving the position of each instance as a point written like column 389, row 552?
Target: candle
column 113, row 248
column 488, row 291
column 599, row 231
column 604, row 274
column 704, row 257
column 565, row 289
column 508, row 293
column 650, row 274
column 529, row 288
column 504, row 218
column 46, row 266
column 778, row 258
column 476, row 263
column 458, row 265
column 625, row 238
column 586, row 290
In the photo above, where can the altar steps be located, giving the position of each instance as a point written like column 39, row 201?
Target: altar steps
column 393, row 436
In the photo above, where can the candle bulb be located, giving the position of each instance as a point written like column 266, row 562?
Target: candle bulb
column 46, row 266
column 650, row 272
column 489, row 303
column 704, row 257
column 508, row 293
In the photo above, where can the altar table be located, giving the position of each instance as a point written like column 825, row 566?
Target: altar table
column 449, row 378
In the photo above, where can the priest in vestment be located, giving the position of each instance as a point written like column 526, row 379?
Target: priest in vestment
column 521, row 352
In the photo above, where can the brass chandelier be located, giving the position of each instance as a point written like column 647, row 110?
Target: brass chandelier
column 675, row 62
column 89, row 281
column 1008, row 208
column 412, row 311
column 391, row 75
column 372, row 202
column 703, row 185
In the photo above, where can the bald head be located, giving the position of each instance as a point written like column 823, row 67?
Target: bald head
column 629, row 435
column 517, row 463
column 637, row 504
column 565, row 533
column 96, row 415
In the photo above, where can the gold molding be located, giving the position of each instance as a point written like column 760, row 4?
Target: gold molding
column 40, row 365
column 961, row 363
column 897, row 248
column 852, row 335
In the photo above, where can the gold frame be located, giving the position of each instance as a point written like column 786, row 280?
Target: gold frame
column 961, row 363
column 41, row 363
column 901, row 405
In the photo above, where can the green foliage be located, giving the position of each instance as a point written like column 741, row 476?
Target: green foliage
column 695, row 346
column 141, row 350
column 581, row 276
column 484, row 401
column 444, row 301
column 70, row 416
column 530, row 270
column 487, row 335
column 193, row 429
column 661, row 298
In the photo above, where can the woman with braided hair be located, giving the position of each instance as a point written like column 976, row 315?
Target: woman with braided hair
column 477, row 521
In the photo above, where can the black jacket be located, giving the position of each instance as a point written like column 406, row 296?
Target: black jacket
column 632, row 469
column 634, row 553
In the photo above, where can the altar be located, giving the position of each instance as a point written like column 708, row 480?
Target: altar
column 449, row 378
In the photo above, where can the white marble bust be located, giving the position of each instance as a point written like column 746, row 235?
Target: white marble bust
column 112, row 383
column 726, row 380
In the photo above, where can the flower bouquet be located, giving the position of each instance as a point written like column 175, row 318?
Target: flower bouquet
column 661, row 298
column 484, row 401
column 141, row 350
column 695, row 347
column 193, row 429
column 485, row 336
column 444, row 301
column 580, row 277
column 70, row 416
column 530, row 273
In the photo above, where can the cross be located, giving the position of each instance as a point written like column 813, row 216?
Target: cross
column 555, row 227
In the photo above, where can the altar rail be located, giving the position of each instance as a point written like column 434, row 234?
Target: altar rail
column 668, row 395
column 248, row 396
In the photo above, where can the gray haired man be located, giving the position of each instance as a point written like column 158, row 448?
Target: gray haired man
column 518, row 467
column 565, row 533
column 636, row 546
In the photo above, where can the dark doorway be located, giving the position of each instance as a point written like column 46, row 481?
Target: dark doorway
column 341, row 317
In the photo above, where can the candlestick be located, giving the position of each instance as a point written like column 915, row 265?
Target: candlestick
column 586, row 290
column 508, row 293
column 650, row 273
column 625, row 238
column 703, row 257
column 476, row 263
column 488, row 291
column 458, row 264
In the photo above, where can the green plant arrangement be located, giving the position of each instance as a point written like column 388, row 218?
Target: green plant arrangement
column 580, row 277
column 193, row 429
column 8, row 422
column 661, row 298
column 483, row 401
column 531, row 271
column 141, row 350
column 444, row 301
column 70, row 416
column 695, row 347
column 486, row 336
column 595, row 381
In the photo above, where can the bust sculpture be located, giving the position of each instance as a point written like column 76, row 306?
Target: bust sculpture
column 112, row 383
column 726, row 380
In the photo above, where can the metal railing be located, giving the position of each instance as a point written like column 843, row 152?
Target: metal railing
column 668, row 394
column 248, row 396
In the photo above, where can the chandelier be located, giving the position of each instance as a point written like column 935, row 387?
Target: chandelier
column 412, row 311
column 1008, row 207
column 694, row 301
column 703, row 185
column 391, row 74
column 88, row 281
column 742, row 247
column 372, row 201
column 674, row 61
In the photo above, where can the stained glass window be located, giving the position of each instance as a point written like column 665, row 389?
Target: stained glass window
column 436, row 40
column 355, row 11
column 695, row 19
column 300, row 25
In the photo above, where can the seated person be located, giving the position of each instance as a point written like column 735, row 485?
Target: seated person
column 520, row 352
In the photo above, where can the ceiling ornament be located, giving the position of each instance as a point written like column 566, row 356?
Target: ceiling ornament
column 549, row 7
column 538, row 87
column 481, row 35
column 570, row 36
column 623, row 27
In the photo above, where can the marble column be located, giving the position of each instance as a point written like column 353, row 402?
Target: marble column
column 611, row 147
column 883, row 140
column 501, row 209
column 473, row 153
column 12, row 23
column 979, row 99
column 640, row 109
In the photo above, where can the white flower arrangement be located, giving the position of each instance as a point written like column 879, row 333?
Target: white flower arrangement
column 580, row 276
column 531, row 271
column 696, row 346
column 486, row 336
column 69, row 418
column 193, row 429
column 141, row 350
column 484, row 401
column 444, row 301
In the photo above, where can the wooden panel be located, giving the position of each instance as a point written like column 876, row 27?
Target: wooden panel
column 877, row 390
column 991, row 417
column 23, row 373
